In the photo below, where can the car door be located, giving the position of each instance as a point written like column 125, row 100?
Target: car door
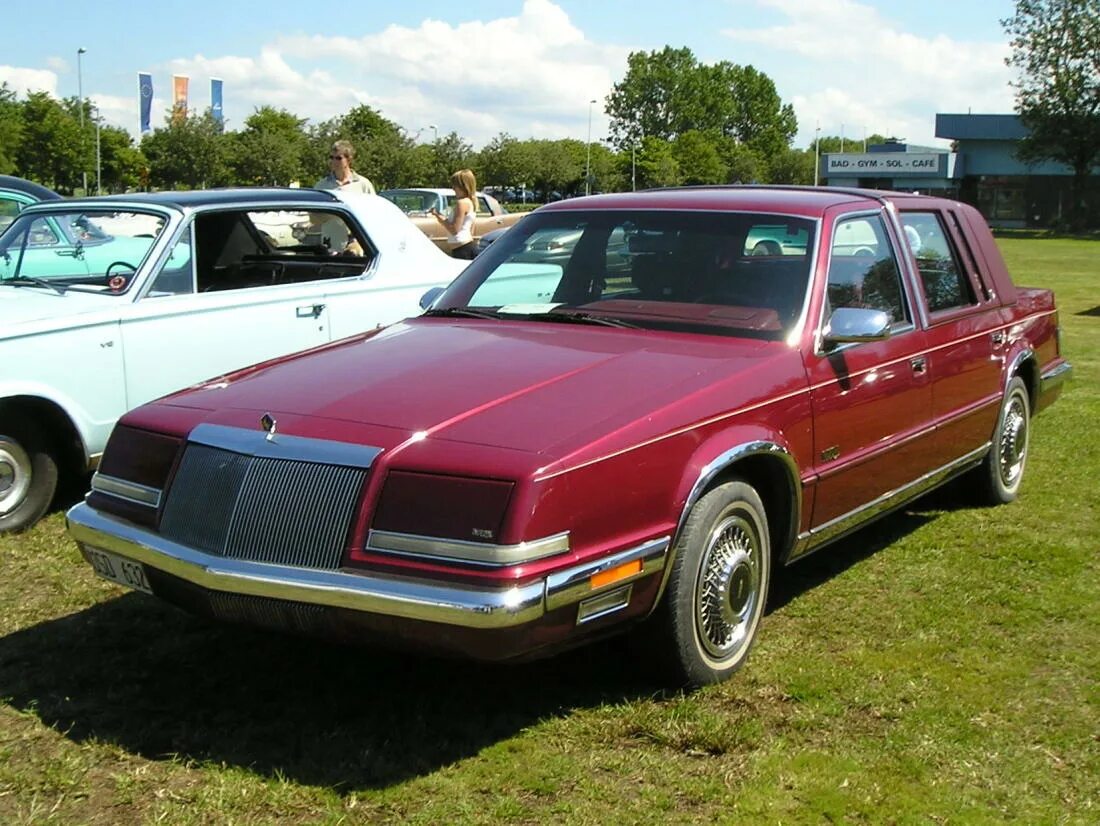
column 47, row 249
column 489, row 216
column 966, row 337
column 200, row 316
column 871, row 400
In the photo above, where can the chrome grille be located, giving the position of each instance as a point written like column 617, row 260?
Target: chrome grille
column 281, row 511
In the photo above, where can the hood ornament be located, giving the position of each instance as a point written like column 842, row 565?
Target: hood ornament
column 268, row 423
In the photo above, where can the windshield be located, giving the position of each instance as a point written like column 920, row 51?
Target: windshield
column 97, row 250
column 724, row 273
column 411, row 201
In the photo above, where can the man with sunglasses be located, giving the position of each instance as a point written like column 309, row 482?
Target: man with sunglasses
column 342, row 176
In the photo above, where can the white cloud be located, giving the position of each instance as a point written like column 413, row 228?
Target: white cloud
column 21, row 80
column 480, row 77
column 858, row 69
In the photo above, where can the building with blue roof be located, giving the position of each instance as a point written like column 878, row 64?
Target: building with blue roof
column 980, row 168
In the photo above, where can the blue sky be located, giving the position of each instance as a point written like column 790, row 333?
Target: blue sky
column 525, row 67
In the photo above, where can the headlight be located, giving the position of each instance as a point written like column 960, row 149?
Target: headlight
column 451, row 518
column 132, row 474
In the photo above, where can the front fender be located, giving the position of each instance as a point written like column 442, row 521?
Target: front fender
column 716, row 458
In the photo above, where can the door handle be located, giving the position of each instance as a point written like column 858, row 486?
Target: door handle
column 312, row 311
column 998, row 337
column 919, row 365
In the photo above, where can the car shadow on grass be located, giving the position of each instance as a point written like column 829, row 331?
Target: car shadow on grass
column 157, row 682
column 805, row 574
column 160, row 683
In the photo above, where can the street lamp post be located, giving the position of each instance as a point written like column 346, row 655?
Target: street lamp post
column 80, row 104
column 435, row 132
column 588, row 157
column 817, row 153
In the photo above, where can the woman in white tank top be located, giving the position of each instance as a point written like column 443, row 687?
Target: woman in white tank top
column 460, row 223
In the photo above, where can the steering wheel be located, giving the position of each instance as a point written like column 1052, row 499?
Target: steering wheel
column 114, row 264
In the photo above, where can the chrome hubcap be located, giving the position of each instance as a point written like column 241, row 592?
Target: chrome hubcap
column 15, row 476
column 1013, row 446
column 728, row 591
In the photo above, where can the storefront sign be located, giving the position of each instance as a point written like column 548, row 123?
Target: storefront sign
column 882, row 163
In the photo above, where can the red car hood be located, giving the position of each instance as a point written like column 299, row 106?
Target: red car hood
column 521, row 385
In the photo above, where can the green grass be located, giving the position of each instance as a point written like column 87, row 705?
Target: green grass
column 939, row 667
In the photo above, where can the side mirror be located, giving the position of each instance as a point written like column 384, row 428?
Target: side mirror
column 429, row 297
column 849, row 324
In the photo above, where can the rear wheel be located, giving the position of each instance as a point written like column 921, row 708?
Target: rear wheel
column 28, row 476
column 718, row 585
column 1002, row 471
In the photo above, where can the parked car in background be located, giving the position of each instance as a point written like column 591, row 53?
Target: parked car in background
column 647, row 428
column 417, row 203
column 16, row 193
column 93, row 323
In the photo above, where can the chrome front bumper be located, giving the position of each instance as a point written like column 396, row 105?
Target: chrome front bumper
column 394, row 596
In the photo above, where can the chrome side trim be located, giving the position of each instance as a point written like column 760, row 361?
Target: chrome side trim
column 281, row 446
column 481, row 553
column 834, row 529
column 405, row 597
column 1055, row 376
column 573, row 585
column 130, row 491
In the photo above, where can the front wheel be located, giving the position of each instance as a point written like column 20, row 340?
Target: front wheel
column 1002, row 471
column 718, row 585
column 28, row 476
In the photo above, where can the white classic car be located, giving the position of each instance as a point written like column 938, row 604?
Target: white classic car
column 95, row 322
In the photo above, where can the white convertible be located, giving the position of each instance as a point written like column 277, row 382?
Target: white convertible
column 95, row 320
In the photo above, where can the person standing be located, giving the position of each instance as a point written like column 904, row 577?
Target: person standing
column 341, row 176
column 460, row 223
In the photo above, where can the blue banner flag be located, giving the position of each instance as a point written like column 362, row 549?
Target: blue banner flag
column 145, row 94
column 216, row 99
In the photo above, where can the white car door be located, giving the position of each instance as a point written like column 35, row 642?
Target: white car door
column 183, row 331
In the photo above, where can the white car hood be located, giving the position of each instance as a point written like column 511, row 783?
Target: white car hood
column 30, row 309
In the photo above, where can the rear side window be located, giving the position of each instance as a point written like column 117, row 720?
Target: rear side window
column 863, row 271
column 946, row 285
column 236, row 250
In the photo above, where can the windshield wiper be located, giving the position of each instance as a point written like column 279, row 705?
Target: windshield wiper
column 582, row 318
column 31, row 281
column 462, row 312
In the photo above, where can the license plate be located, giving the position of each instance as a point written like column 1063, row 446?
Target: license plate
column 118, row 569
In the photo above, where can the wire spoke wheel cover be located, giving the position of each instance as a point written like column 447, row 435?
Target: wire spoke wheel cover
column 1012, row 449
column 719, row 583
column 728, row 587
column 999, row 477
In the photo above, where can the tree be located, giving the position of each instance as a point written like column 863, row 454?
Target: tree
column 122, row 166
column 51, row 150
column 698, row 159
column 271, row 149
column 667, row 93
column 11, row 129
column 383, row 152
column 189, row 152
column 1056, row 48
column 793, row 166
